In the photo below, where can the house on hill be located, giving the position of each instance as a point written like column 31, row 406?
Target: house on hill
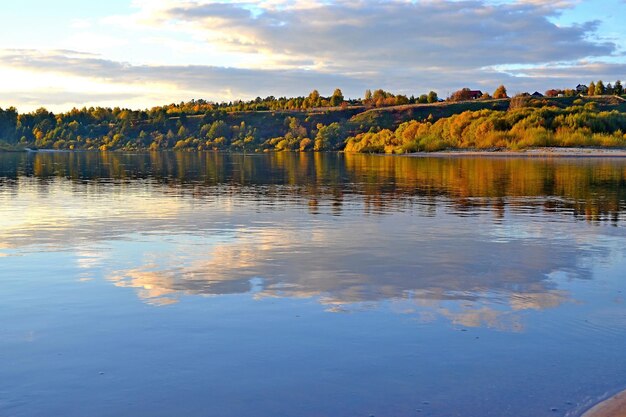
column 536, row 94
column 582, row 89
column 475, row 94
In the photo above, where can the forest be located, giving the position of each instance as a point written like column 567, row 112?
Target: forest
column 379, row 122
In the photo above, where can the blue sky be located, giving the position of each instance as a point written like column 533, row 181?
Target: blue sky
column 141, row 53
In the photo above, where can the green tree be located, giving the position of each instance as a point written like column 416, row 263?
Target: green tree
column 143, row 138
column 328, row 137
column 432, row 97
column 337, row 98
column 618, row 88
column 600, row 89
column 401, row 99
column 8, row 124
column 218, row 129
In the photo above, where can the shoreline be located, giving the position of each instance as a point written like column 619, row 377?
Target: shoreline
column 532, row 153
column 614, row 406
column 548, row 152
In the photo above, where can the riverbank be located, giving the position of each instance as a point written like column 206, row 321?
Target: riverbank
column 547, row 152
column 613, row 407
column 534, row 152
column 11, row 148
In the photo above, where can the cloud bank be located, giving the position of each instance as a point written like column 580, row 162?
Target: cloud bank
column 284, row 47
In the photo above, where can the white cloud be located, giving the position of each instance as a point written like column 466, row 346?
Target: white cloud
column 179, row 49
column 58, row 69
column 374, row 35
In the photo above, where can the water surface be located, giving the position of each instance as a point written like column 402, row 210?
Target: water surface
column 183, row 284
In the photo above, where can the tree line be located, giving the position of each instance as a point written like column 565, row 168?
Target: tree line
column 310, row 123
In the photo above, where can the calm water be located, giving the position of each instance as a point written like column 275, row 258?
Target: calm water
column 314, row 285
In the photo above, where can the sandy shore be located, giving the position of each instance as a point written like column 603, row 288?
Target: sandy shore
column 536, row 152
column 613, row 407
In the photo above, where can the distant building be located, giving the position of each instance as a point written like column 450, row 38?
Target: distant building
column 537, row 94
column 475, row 94
column 582, row 89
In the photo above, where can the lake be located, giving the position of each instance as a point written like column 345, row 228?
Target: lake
column 203, row 284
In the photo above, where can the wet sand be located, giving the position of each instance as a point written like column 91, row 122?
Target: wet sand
column 612, row 407
column 535, row 152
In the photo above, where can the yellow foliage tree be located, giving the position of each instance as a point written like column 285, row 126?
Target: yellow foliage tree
column 500, row 92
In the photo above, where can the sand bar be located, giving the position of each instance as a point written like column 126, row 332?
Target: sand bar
column 535, row 152
column 613, row 407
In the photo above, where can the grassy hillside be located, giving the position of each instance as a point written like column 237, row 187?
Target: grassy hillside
column 392, row 117
column 526, row 123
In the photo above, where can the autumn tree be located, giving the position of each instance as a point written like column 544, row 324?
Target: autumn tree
column 295, row 128
column 305, row 144
column 591, row 91
column 500, row 92
column 379, row 94
column 600, row 89
column 461, row 95
column 314, row 99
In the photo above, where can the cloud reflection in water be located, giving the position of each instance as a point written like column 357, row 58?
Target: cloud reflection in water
column 477, row 242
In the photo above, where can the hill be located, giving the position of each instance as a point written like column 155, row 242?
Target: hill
column 194, row 127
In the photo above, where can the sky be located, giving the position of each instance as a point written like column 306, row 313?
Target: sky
column 143, row 53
